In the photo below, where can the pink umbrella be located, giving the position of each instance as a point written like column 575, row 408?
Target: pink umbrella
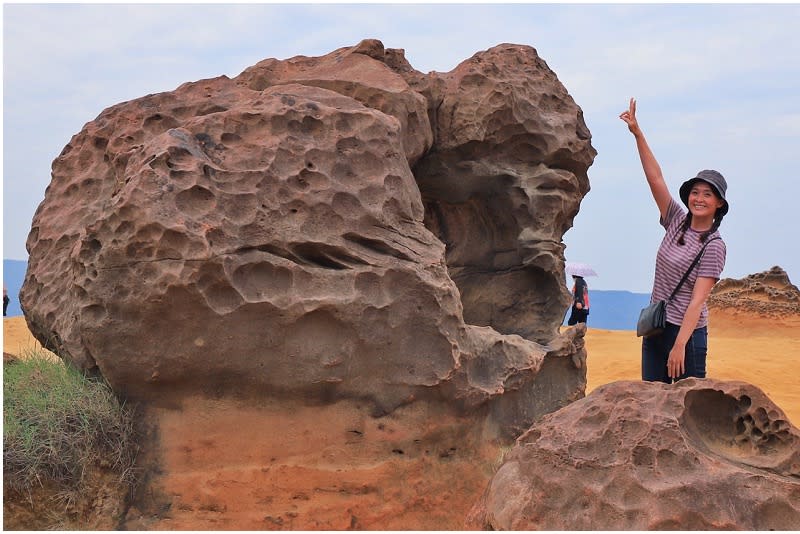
column 579, row 269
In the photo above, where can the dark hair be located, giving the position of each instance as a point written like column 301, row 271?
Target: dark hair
column 687, row 222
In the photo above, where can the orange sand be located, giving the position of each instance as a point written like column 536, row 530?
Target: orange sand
column 764, row 352
column 18, row 340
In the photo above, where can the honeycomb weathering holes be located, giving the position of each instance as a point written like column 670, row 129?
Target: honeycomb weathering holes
column 733, row 427
column 195, row 201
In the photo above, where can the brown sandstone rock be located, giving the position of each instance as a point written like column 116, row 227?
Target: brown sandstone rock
column 768, row 294
column 361, row 73
column 502, row 185
column 697, row 455
column 266, row 235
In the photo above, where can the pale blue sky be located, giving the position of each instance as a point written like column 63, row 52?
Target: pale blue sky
column 717, row 87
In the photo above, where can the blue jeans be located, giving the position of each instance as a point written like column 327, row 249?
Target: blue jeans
column 655, row 353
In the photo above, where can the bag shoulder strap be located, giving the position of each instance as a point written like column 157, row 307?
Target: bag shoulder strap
column 689, row 270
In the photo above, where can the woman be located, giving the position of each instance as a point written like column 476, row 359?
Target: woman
column 580, row 301
column 680, row 350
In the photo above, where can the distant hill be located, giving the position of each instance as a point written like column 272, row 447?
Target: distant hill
column 13, row 276
column 610, row 310
column 614, row 310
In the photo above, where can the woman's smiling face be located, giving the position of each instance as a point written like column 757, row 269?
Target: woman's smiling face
column 703, row 201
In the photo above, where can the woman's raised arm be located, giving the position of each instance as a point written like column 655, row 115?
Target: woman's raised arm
column 652, row 170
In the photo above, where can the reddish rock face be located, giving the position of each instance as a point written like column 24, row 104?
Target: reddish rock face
column 503, row 184
column 297, row 231
column 696, row 455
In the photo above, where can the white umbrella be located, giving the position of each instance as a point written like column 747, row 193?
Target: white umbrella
column 579, row 269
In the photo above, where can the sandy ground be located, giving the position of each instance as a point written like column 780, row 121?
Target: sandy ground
column 18, row 340
column 762, row 351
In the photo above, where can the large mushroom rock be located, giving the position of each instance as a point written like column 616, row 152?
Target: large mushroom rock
column 696, row 455
column 503, row 183
column 265, row 234
column 767, row 294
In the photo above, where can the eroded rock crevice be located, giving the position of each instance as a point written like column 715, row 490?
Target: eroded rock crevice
column 502, row 184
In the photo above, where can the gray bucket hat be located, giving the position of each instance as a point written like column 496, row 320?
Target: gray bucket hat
column 712, row 178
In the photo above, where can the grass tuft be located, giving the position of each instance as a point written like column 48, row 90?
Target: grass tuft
column 59, row 426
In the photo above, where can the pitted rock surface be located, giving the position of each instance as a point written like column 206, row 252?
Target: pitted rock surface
column 503, row 184
column 267, row 234
column 361, row 73
column 696, row 455
column 767, row 294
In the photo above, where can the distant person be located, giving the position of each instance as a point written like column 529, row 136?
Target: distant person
column 5, row 300
column 580, row 301
column 680, row 350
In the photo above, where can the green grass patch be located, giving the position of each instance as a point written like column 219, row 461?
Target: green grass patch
column 61, row 426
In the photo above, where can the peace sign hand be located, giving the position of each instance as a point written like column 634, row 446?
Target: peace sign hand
column 629, row 117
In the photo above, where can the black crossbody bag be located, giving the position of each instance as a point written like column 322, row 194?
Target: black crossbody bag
column 653, row 318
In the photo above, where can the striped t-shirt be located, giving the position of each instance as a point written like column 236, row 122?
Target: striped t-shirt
column 673, row 259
